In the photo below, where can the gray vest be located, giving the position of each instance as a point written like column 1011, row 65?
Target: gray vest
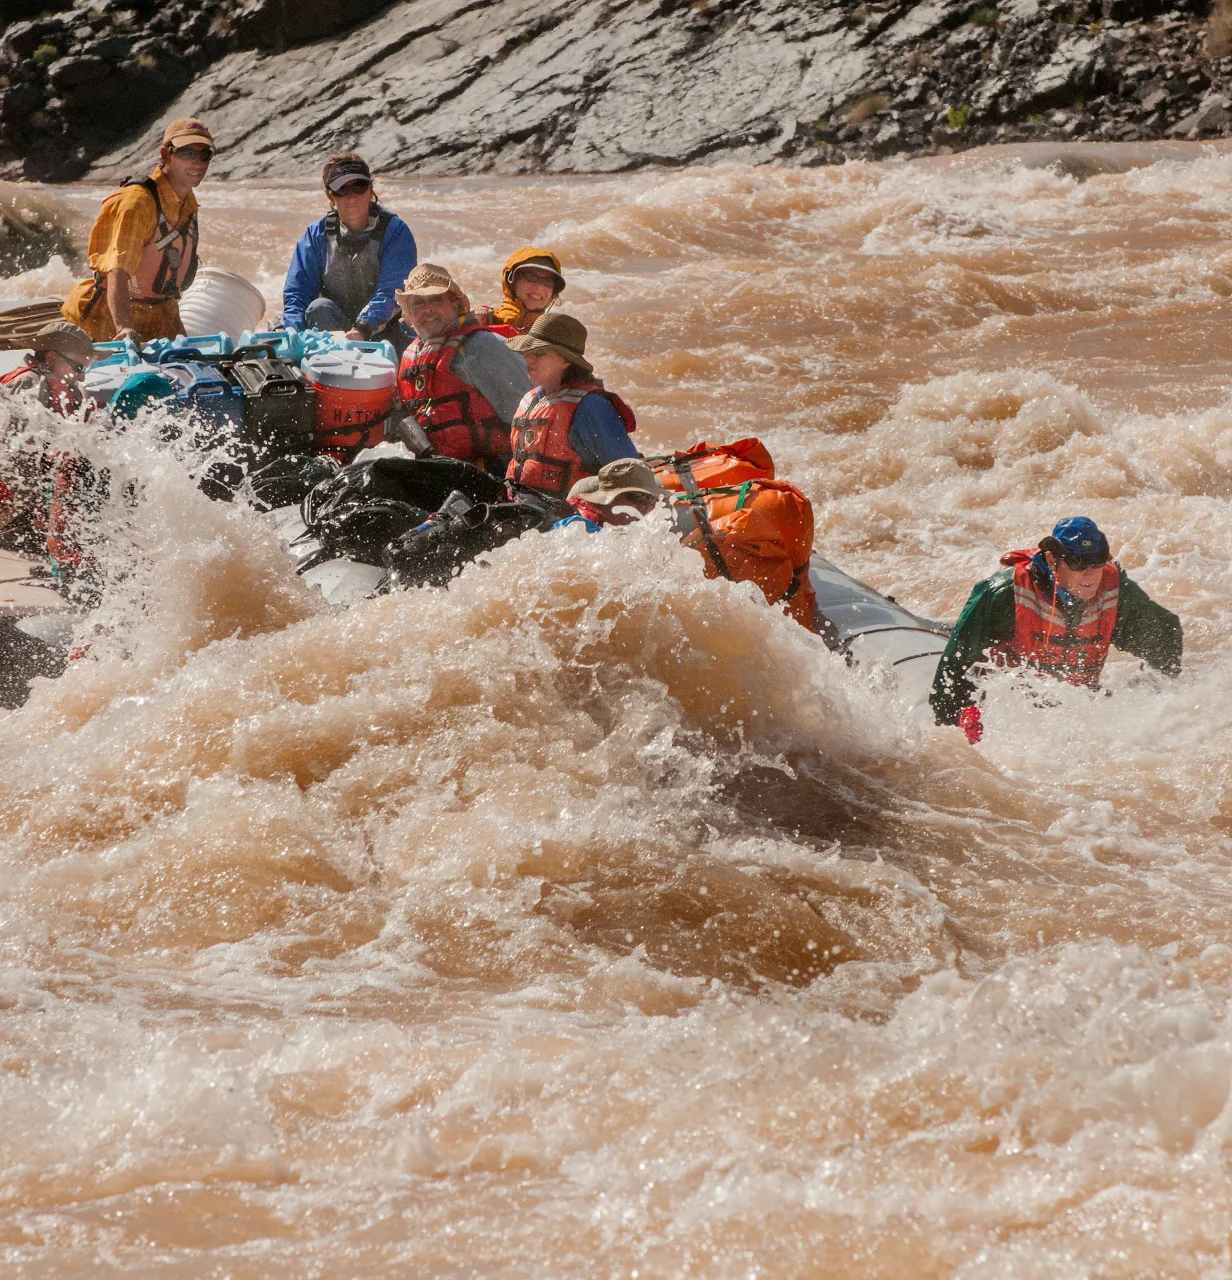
column 352, row 263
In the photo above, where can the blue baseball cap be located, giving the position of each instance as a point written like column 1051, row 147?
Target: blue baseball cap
column 1079, row 538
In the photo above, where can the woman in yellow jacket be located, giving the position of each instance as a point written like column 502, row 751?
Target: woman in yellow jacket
column 531, row 282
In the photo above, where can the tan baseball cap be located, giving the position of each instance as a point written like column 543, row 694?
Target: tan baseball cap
column 186, row 130
column 430, row 281
column 615, row 479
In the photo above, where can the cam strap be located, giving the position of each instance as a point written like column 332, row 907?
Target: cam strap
column 799, row 574
column 700, row 514
column 798, row 577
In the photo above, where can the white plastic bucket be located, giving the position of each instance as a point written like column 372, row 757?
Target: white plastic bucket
column 221, row 302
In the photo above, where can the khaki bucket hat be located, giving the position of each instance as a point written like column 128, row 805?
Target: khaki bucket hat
column 615, row 479
column 66, row 339
column 430, row 281
column 562, row 334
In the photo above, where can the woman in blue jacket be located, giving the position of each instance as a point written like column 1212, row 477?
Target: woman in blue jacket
column 347, row 265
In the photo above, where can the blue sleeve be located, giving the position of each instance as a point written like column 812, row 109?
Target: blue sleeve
column 575, row 518
column 398, row 258
column 303, row 284
column 597, row 433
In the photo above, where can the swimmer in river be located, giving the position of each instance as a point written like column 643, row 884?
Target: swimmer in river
column 1057, row 609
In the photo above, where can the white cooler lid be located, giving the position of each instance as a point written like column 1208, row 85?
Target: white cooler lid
column 351, row 370
column 102, row 381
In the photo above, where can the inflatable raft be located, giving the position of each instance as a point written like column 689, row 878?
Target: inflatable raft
column 853, row 619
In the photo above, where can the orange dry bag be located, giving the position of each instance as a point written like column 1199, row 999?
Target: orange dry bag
column 707, row 465
column 759, row 531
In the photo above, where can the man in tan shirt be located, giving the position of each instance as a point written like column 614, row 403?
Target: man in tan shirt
column 143, row 245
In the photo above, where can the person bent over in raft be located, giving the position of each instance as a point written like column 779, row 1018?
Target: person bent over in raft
column 458, row 381
column 532, row 283
column 568, row 425
column 52, row 372
column 348, row 265
column 758, row 531
column 52, row 375
column 1057, row 610
column 143, row 245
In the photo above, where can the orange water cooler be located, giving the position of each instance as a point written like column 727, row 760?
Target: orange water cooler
column 355, row 394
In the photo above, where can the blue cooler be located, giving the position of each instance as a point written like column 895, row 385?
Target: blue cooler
column 154, row 348
column 209, row 344
column 384, row 349
column 317, row 340
column 287, row 344
column 210, row 397
column 122, row 352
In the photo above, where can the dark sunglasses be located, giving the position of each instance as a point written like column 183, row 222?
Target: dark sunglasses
column 75, row 365
column 194, row 153
column 357, row 188
column 1080, row 564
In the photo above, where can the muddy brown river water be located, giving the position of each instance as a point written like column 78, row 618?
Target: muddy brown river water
column 591, row 920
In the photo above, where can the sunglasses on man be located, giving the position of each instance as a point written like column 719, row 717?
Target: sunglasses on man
column 77, row 366
column 360, row 187
column 194, row 153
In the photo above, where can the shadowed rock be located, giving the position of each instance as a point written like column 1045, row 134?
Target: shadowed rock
column 466, row 86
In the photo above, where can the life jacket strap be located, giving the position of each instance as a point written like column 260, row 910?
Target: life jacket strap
column 700, row 514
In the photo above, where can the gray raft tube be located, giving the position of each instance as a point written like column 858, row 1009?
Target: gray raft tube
column 870, row 629
column 867, row 628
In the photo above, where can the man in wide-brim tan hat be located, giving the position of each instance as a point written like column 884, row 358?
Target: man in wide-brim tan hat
column 627, row 482
column 569, row 425
column 60, row 352
column 459, row 381
column 143, row 245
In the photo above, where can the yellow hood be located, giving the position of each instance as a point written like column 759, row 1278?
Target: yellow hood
column 511, row 311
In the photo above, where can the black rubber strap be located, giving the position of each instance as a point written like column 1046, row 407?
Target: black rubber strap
column 700, row 514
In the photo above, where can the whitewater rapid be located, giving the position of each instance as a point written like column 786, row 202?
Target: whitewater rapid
column 590, row 919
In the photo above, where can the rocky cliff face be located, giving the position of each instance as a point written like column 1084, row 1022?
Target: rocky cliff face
column 73, row 83
column 465, row 86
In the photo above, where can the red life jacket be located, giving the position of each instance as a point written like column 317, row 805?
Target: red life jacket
column 63, row 403
column 14, row 374
column 458, row 421
column 542, row 455
column 1041, row 637
column 487, row 317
